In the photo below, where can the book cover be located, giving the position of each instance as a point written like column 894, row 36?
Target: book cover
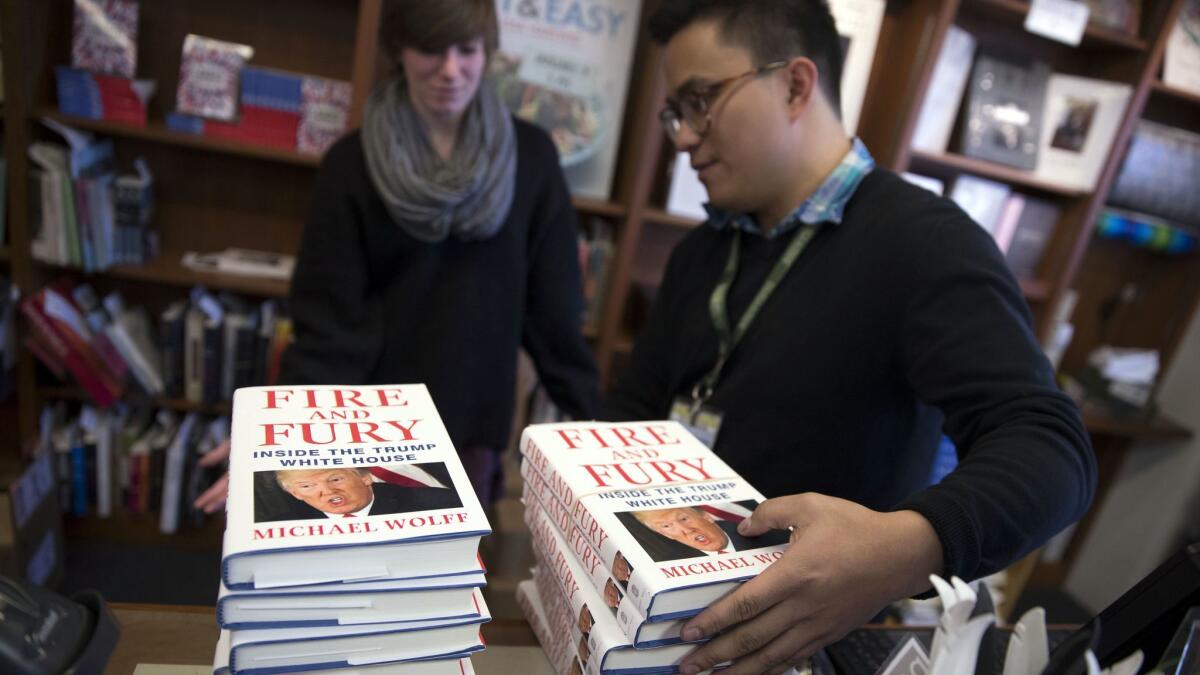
column 982, row 199
column 1003, row 114
column 567, row 70
column 1035, row 227
column 278, row 650
column 1158, row 175
column 660, row 507
column 333, row 483
column 945, row 93
column 858, row 23
column 1181, row 60
column 209, row 75
column 1081, row 119
column 324, row 113
column 104, row 36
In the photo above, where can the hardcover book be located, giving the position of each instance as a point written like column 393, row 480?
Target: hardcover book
column 658, row 505
column 331, row 484
column 209, row 77
column 945, row 92
column 1003, row 114
column 1081, row 119
column 459, row 666
column 339, row 604
column 104, row 36
column 554, row 644
column 576, row 609
column 281, row 650
column 567, row 70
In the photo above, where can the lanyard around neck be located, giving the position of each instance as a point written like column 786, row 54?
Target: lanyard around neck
column 718, row 309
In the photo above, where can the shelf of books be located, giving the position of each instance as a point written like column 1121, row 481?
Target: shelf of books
column 159, row 133
column 167, row 268
column 1095, row 34
column 61, row 393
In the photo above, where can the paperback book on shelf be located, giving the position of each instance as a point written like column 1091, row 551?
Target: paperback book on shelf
column 332, row 484
column 658, row 506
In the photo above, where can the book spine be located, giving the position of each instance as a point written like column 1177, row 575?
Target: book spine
column 561, row 623
column 624, row 609
column 58, row 348
column 79, row 479
column 104, row 468
column 558, row 560
column 553, row 642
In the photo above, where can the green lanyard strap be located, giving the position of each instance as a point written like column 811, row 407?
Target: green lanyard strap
column 718, row 310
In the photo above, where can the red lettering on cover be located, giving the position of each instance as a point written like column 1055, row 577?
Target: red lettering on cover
column 271, row 436
column 274, row 398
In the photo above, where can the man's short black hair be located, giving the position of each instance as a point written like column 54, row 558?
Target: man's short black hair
column 771, row 30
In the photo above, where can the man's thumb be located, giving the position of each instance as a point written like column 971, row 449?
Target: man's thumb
column 768, row 516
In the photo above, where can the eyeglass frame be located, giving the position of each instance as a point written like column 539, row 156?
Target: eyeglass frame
column 673, row 118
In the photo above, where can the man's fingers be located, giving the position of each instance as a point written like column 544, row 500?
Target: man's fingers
column 753, row 632
column 756, row 647
column 214, row 497
column 216, row 455
column 780, row 513
column 746, row 602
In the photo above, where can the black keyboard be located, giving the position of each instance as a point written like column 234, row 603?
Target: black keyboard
column 864, row 651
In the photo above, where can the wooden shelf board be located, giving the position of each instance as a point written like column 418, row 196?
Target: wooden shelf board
column 661, row 217
column 176, row 404
column 1094, row 35
column 167, row 269
column 142, row 529
column 1159, row 427
column 596, row 207
column 157, row 132
column 992, row 170
column 1175, row 94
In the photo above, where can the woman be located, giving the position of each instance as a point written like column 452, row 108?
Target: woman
column 440, row 239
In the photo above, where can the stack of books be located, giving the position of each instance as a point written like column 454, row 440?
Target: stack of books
column 352, row 535
column 635, row 530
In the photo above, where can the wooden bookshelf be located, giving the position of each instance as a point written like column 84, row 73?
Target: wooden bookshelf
column 661, row 217
column 141, row 529
column 928, row 162
column 1157, row 427
column 1176, row 95
column 67, row 393
column 1035, row 289
column 167, row 268
column 157, row 132
column 1095, row 35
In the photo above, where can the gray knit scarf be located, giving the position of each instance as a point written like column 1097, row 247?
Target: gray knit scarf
column 468, row 195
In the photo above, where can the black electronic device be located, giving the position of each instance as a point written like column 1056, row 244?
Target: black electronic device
column 44, row 633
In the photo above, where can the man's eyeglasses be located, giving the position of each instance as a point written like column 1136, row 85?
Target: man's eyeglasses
column 694, row 107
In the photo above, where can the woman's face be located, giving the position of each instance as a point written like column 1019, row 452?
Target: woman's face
column 442, row 84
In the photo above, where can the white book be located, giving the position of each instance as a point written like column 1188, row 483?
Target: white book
column 275, row 650
column 459, row 666
column 554, row 642
column 172, row 490
column 982, row 199
column 1079, row 125
column 687, row 195
column 944, row 95
column 1181, row 60
column 129, row 332
column 642, row 633
column 302, row 458
column 599, row 642
column 653, row 498
column 394, row 600
column 858, row 22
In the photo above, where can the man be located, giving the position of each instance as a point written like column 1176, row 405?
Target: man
column 861, row 317
column 698, row 530
column 350, row 493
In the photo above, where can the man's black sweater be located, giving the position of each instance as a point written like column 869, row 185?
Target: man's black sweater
column 372, row 305
column 898, row 322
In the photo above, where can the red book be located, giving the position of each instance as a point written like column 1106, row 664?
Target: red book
column 65, row 345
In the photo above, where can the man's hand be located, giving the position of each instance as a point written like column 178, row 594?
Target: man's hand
column 214, row 497
column 843, row 565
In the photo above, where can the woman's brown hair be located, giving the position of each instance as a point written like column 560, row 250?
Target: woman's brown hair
column 433, row 25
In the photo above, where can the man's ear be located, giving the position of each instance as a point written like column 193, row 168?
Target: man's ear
column 803, row 79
